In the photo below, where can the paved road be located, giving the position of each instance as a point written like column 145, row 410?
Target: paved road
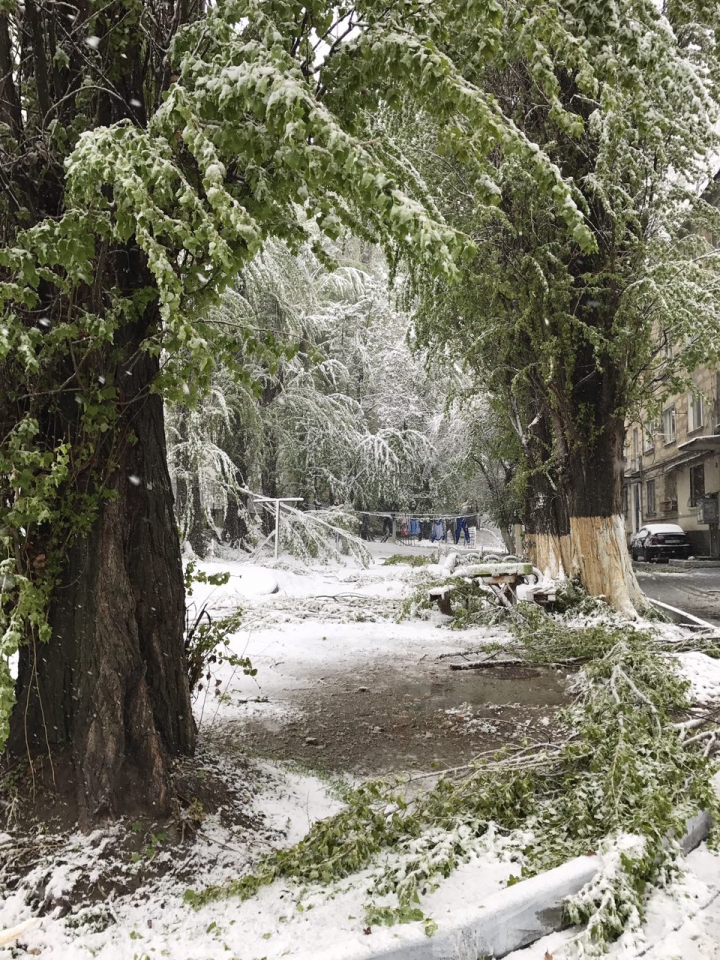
column 697, row 591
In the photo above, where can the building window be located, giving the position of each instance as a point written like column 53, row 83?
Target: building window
column 669, row 425
column 650, row 492
column 625, row 500
column 636, row 449
column 696, row 418
column 650, row 431
column 669, row 502
column 697, row 484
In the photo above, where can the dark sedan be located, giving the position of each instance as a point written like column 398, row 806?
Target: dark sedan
column 660, row 542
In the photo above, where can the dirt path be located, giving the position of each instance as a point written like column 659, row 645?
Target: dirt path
column 349, row 683
column 394, row 716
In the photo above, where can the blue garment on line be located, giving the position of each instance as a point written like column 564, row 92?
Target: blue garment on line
column 438, row 530
column 414, row 528
column 462, row 527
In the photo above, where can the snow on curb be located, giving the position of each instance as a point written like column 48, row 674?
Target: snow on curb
column 697, row 829
column 683, row 615
column 514, row 917
column 508, row 920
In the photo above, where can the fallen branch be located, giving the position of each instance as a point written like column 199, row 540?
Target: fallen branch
column 482, row 664
column 460, row 653
column 9, row 936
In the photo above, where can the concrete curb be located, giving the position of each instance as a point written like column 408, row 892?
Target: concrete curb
column 507, row 920
column 516, row 916
column 682, row 617
column 696, row 564
column 697, row 829
column 646, row 567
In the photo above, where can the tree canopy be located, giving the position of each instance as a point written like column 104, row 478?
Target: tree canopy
column 571, row 342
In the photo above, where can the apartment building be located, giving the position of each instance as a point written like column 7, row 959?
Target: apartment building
column 672, row 466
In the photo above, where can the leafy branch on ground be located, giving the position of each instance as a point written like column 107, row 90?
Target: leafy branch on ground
column 412, row 560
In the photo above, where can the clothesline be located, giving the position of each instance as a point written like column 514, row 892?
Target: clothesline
column 390, row 514
column 415, row 516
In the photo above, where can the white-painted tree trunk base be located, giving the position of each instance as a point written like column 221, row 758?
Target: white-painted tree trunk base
column 595, row 552
column 551, row 555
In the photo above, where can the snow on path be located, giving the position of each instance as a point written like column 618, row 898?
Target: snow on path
column 324, row 637
column 154, row 921
column 281, row 921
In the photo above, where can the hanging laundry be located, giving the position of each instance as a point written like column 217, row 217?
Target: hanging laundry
column 461, row 526
column 438, row 530
column 414, row 528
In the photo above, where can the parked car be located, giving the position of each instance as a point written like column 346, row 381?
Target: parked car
column 660, row 542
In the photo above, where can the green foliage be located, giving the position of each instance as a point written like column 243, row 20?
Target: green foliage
column 148, row 854
column 207, row 638
column 412, row 560
column 389, row 916
column 621, row 772
column 192, row 575
column 569, row 344
column 418, row 603
column 147, row 174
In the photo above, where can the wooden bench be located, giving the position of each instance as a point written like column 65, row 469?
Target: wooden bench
column 502, row 579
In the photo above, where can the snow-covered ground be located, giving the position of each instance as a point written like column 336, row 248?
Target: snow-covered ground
column 308, row 633
column 682, row 922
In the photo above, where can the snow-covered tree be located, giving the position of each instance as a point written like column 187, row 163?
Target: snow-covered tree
column 351, row 414
column 569, row 340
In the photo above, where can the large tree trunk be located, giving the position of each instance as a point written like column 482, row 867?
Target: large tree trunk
column 109, row 692
column 576, row 524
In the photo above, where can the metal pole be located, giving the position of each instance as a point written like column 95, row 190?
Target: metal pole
column 277, row 527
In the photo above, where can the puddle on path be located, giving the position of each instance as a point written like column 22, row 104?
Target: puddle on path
column 383, row 719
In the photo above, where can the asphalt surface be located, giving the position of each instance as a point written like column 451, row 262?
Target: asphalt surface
column 695, row 590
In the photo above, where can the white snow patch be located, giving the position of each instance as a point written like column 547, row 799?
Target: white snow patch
column 703, row 672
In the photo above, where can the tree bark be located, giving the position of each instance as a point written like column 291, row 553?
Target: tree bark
column 576, row 527
column 200, row 534
column 507, row 539
column 235, row 529
column 110, row 689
